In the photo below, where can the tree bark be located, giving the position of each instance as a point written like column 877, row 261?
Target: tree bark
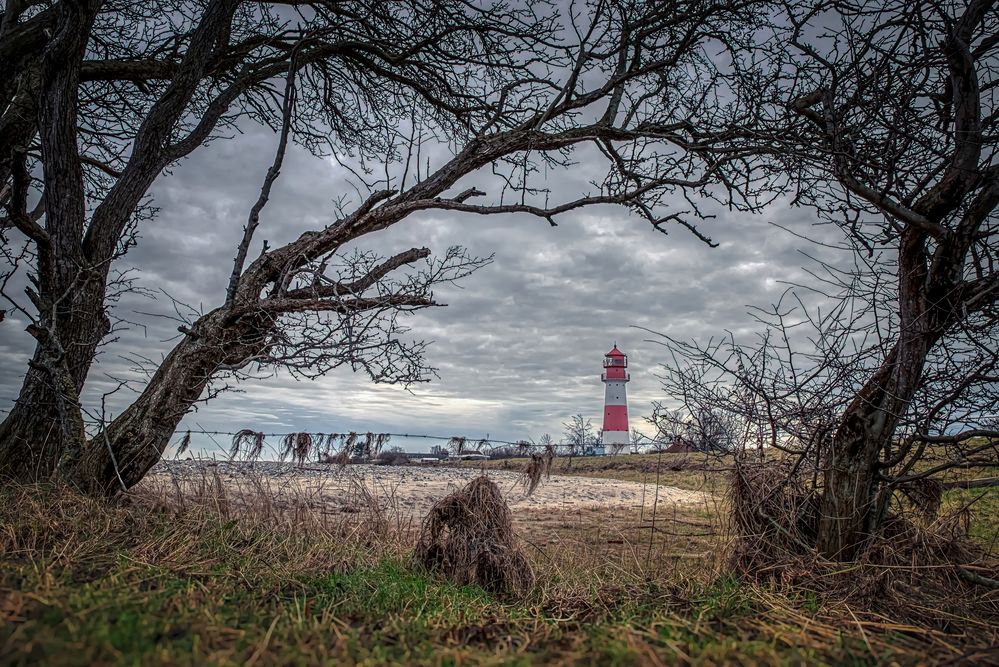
column 119, row 456
column 75, row 259
column 848, row 506
column 70, row 293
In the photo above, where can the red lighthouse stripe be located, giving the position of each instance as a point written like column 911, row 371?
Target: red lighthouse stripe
column 616, row 373
column 616, row 418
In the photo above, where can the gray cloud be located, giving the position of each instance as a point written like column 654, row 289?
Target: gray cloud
column 519, row 346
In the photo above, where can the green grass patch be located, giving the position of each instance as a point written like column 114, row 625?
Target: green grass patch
column 983, row 507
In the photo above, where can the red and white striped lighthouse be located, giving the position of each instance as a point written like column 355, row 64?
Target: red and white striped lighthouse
column 615, row 378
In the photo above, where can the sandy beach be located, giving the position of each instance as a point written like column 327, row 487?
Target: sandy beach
column 408, row 490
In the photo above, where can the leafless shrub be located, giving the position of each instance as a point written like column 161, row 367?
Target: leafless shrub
column 468, row 537
column 918, row 567
column 578, row 435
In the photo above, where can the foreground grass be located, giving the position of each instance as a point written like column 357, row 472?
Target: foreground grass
column 87, row 583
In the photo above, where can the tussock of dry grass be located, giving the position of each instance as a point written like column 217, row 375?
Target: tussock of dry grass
column 773, row 513
column 468, row 537
column 913, row 574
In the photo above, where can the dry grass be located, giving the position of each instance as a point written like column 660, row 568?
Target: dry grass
column 538, row 466
column 203, row 573
column 468, row 537
column 917, row 573
column 694, row 471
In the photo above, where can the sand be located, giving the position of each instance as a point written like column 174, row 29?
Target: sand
column 412, row 490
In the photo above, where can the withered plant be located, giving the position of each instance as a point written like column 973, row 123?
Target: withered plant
column 468, row 537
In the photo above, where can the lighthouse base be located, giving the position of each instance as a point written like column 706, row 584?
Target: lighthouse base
column 616, row 438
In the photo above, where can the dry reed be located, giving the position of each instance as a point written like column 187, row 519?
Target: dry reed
column 539, row 465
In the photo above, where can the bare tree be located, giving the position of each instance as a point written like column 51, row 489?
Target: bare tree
column 507, row 88
column 893, row 132
column 578, row 436
column 701, row 427
column 103, row 96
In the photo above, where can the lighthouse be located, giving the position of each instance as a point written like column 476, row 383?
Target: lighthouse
column 615, row 378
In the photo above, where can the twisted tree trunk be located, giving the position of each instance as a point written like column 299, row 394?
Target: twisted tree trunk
column 74, row 258
column 851, row 508
column 70, row 289
column 118, row 457
column 31, row 440
column 853, row 503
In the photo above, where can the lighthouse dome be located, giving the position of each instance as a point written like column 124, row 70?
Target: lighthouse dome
column 615, row 359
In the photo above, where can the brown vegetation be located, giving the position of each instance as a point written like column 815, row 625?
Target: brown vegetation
column 921, row 568
column 468, row 537
column 251, row 571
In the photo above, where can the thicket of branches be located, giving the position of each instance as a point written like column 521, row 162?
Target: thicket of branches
column 889, row 352
column 101, row 97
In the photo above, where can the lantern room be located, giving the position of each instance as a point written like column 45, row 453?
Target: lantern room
column 615, row 363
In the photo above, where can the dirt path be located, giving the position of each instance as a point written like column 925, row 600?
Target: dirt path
column 412, row 490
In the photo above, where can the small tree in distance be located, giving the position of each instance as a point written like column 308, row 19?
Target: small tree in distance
column 578, row 436
column 698, row 427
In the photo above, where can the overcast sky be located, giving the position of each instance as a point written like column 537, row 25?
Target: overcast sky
column 520, row 345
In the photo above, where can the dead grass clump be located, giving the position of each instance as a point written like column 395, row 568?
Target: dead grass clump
column 246, row 439
column 539, row 465
column 925, row 494
column 297, row 446
column 920, row 569
column 468, row 537
column 913, row 562
column 927, row 575
column 774, row 513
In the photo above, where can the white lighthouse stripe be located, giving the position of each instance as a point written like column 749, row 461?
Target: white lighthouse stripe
column 616, row 438
column 616, row 394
